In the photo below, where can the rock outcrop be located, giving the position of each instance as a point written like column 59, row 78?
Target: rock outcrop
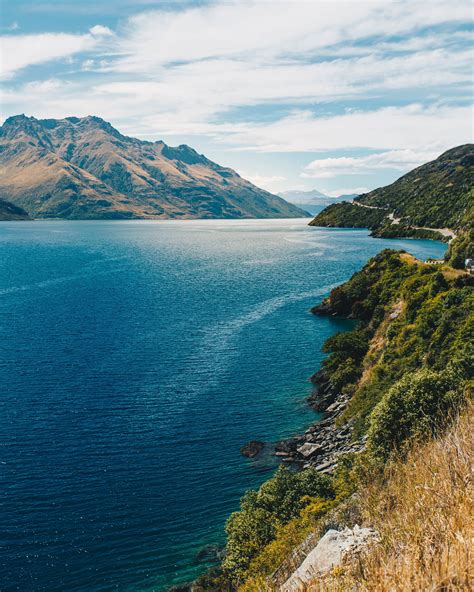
column 333, row 548
column 324, row 441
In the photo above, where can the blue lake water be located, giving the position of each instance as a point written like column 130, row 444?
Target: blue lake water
column 136, row 358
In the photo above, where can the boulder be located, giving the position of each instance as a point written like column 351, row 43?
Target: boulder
column 331, row 550
column 310, row 450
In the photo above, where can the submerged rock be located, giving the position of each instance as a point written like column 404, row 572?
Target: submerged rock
column 181, row 588
column 252, row 448
column 210, row 553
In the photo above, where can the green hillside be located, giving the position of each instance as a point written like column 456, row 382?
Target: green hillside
column 437, row 195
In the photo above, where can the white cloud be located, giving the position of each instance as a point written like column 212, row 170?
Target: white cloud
column 413, row 127
column 270, row 183
column 19, row 51
column 271, row 29
column 402, row 160
column 100, row 31
column 187, row 98
column 182, row 72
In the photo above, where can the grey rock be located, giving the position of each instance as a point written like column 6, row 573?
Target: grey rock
column 331, row 550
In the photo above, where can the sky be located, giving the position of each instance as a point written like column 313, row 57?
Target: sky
column 337, row 96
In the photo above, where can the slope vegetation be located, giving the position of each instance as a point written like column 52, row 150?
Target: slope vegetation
column 422, row 509
column 438, row 194
column 8, row 211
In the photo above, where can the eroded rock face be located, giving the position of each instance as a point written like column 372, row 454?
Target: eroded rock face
column 332, row 549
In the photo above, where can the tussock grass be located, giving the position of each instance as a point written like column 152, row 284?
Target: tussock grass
column 423, row 511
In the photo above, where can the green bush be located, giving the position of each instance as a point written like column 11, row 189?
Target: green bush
column 345, row 214
column 278, row 500
column 413, row 408
column 460, row 249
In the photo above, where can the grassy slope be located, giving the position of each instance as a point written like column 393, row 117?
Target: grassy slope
column 422, row 509
column 416, row 315
column 437, row 194
column 347, row 215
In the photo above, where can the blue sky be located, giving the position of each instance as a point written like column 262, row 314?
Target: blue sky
column 338, row 96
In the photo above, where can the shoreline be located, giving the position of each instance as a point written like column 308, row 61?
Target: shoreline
column 324, row 441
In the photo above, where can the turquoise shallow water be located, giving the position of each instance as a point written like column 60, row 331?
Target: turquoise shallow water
column 136, row 358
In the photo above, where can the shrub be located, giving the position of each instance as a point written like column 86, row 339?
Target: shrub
column 460, row 249
column 413, row 408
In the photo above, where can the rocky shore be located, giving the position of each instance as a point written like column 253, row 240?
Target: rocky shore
column 323, row 442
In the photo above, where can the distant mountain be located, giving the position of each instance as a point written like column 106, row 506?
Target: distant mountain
column 9, row 211
column 306, row 197
column 438, row 194
column 81, row 168
column 313, row 198
column 312, row 201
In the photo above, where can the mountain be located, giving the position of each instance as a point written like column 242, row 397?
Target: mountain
column 313, row 197
column 312, row 201
column 8, row 211
column 306, row 197
column 438, row 194
column 83, row 168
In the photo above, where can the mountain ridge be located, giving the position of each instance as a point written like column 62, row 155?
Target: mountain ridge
column 77, row 168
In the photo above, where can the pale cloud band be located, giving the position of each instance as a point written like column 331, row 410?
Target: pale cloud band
column 348, row 165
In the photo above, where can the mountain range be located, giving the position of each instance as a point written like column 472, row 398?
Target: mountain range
column 312, row 197
column 83, row 168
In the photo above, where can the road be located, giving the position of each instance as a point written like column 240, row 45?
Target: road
column 447, row 232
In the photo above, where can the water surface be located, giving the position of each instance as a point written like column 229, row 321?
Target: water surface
column 136, row 358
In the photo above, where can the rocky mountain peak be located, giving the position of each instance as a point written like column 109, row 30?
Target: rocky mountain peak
column 82, row 167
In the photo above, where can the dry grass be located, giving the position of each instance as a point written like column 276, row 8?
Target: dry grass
column 378, row 342
column 410, row 259
column 424, row 514
column 450, row 273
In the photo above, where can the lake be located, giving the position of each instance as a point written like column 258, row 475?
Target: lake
column 136, row 358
